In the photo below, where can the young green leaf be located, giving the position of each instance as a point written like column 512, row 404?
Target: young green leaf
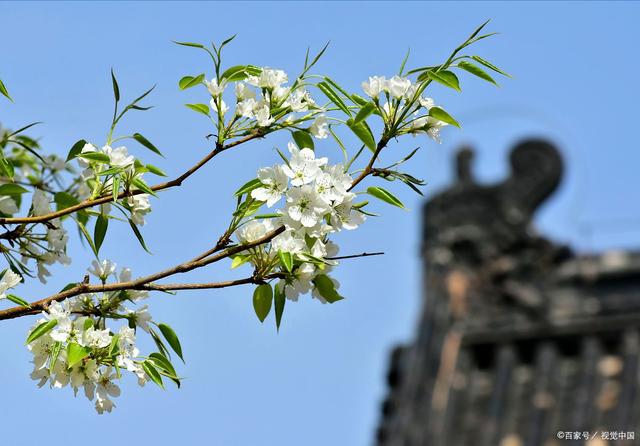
column 248, row 187
column 145, row 142
column 190, row 81
column 303, row 139
column 172, row 339
column 200, row 108
column 116, row 89
column 476, row 71
column 4, row 92
column 100, row 230
column 98, row 157
column 235, row 73
column 153, row 374
column 239, row 259
column 287, row 260
column 76, row 353
column 441, row 115
column 76, row 149
column 333, row 97
column 83, row 231
column 144, row 187
column 155, row 170
column 12, row 189
column 138, row 235
column 384, row 195
column 365, row 112
column 327, row 290
column 40, row 330
column 363, row 132
column 18, row 300
column 446, row 78
column 489, row 65
column 262, row 297
column 279, row 299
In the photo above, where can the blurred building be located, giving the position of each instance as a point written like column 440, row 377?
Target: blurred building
column 520, row 342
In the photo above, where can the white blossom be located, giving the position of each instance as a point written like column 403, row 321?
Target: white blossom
column 254, row 230
column 397, row 86
column 139, row 206
column 320, row 127
column 103, row 269
column 374, row 86
column 8, row 205
column 9, row 280
column 214, row 88
column 274, row 184
column 303, row 166
column 304, row 205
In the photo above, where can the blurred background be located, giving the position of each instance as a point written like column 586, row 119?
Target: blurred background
column 320, row 380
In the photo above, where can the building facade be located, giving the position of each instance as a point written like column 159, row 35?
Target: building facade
column 520, row 342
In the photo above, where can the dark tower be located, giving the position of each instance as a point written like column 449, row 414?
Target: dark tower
column 519, row 339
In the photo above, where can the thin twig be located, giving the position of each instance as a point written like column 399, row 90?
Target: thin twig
column 353, row 256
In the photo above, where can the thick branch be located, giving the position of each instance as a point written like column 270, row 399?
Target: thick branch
column 210, row 256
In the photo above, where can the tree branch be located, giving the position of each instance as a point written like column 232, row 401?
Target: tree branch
column 353, row 256
column 158, row 187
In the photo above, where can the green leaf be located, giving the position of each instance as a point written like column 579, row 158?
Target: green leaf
column 138, row 235
column 248, row 187
column 12, row 189
column 6, row 167
column 235, row 73
column 76, row 149
column 200, row 108
column 18, row 300
column 303, row 139
column 279, row 299
column 158, row 341
column 239, row 260
column 365, row 112
column 172, row 339
column 446, row 78
column 151, row 371
column 476, row 71
column 333, row 97
column 76, row 353
column 359, row 100
column 363, row 132
column 441, row 115
column 64, row 200
column 115, row 188
column 84, row 232
column 385, row 196
column 41, row 329
column 144, row 187
column 190, row 81
column 145, row 142
column 325, row 287
column 4, row 92
column 100, row 230
column 114, row 346
column 489, row 65
column 262, row 297
column 55, row 352
column 116, row 89
column 98, row 157
column 287, row 260
column 155, row 170
column 165, row 367
column 191, row 44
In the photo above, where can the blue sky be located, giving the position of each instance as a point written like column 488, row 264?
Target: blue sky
column 319, row 381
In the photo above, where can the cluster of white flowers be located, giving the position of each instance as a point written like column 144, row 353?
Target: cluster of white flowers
column 81, row 352
column 119, row 157
column 269, row 101
column 317, row 202
column 400, row 91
